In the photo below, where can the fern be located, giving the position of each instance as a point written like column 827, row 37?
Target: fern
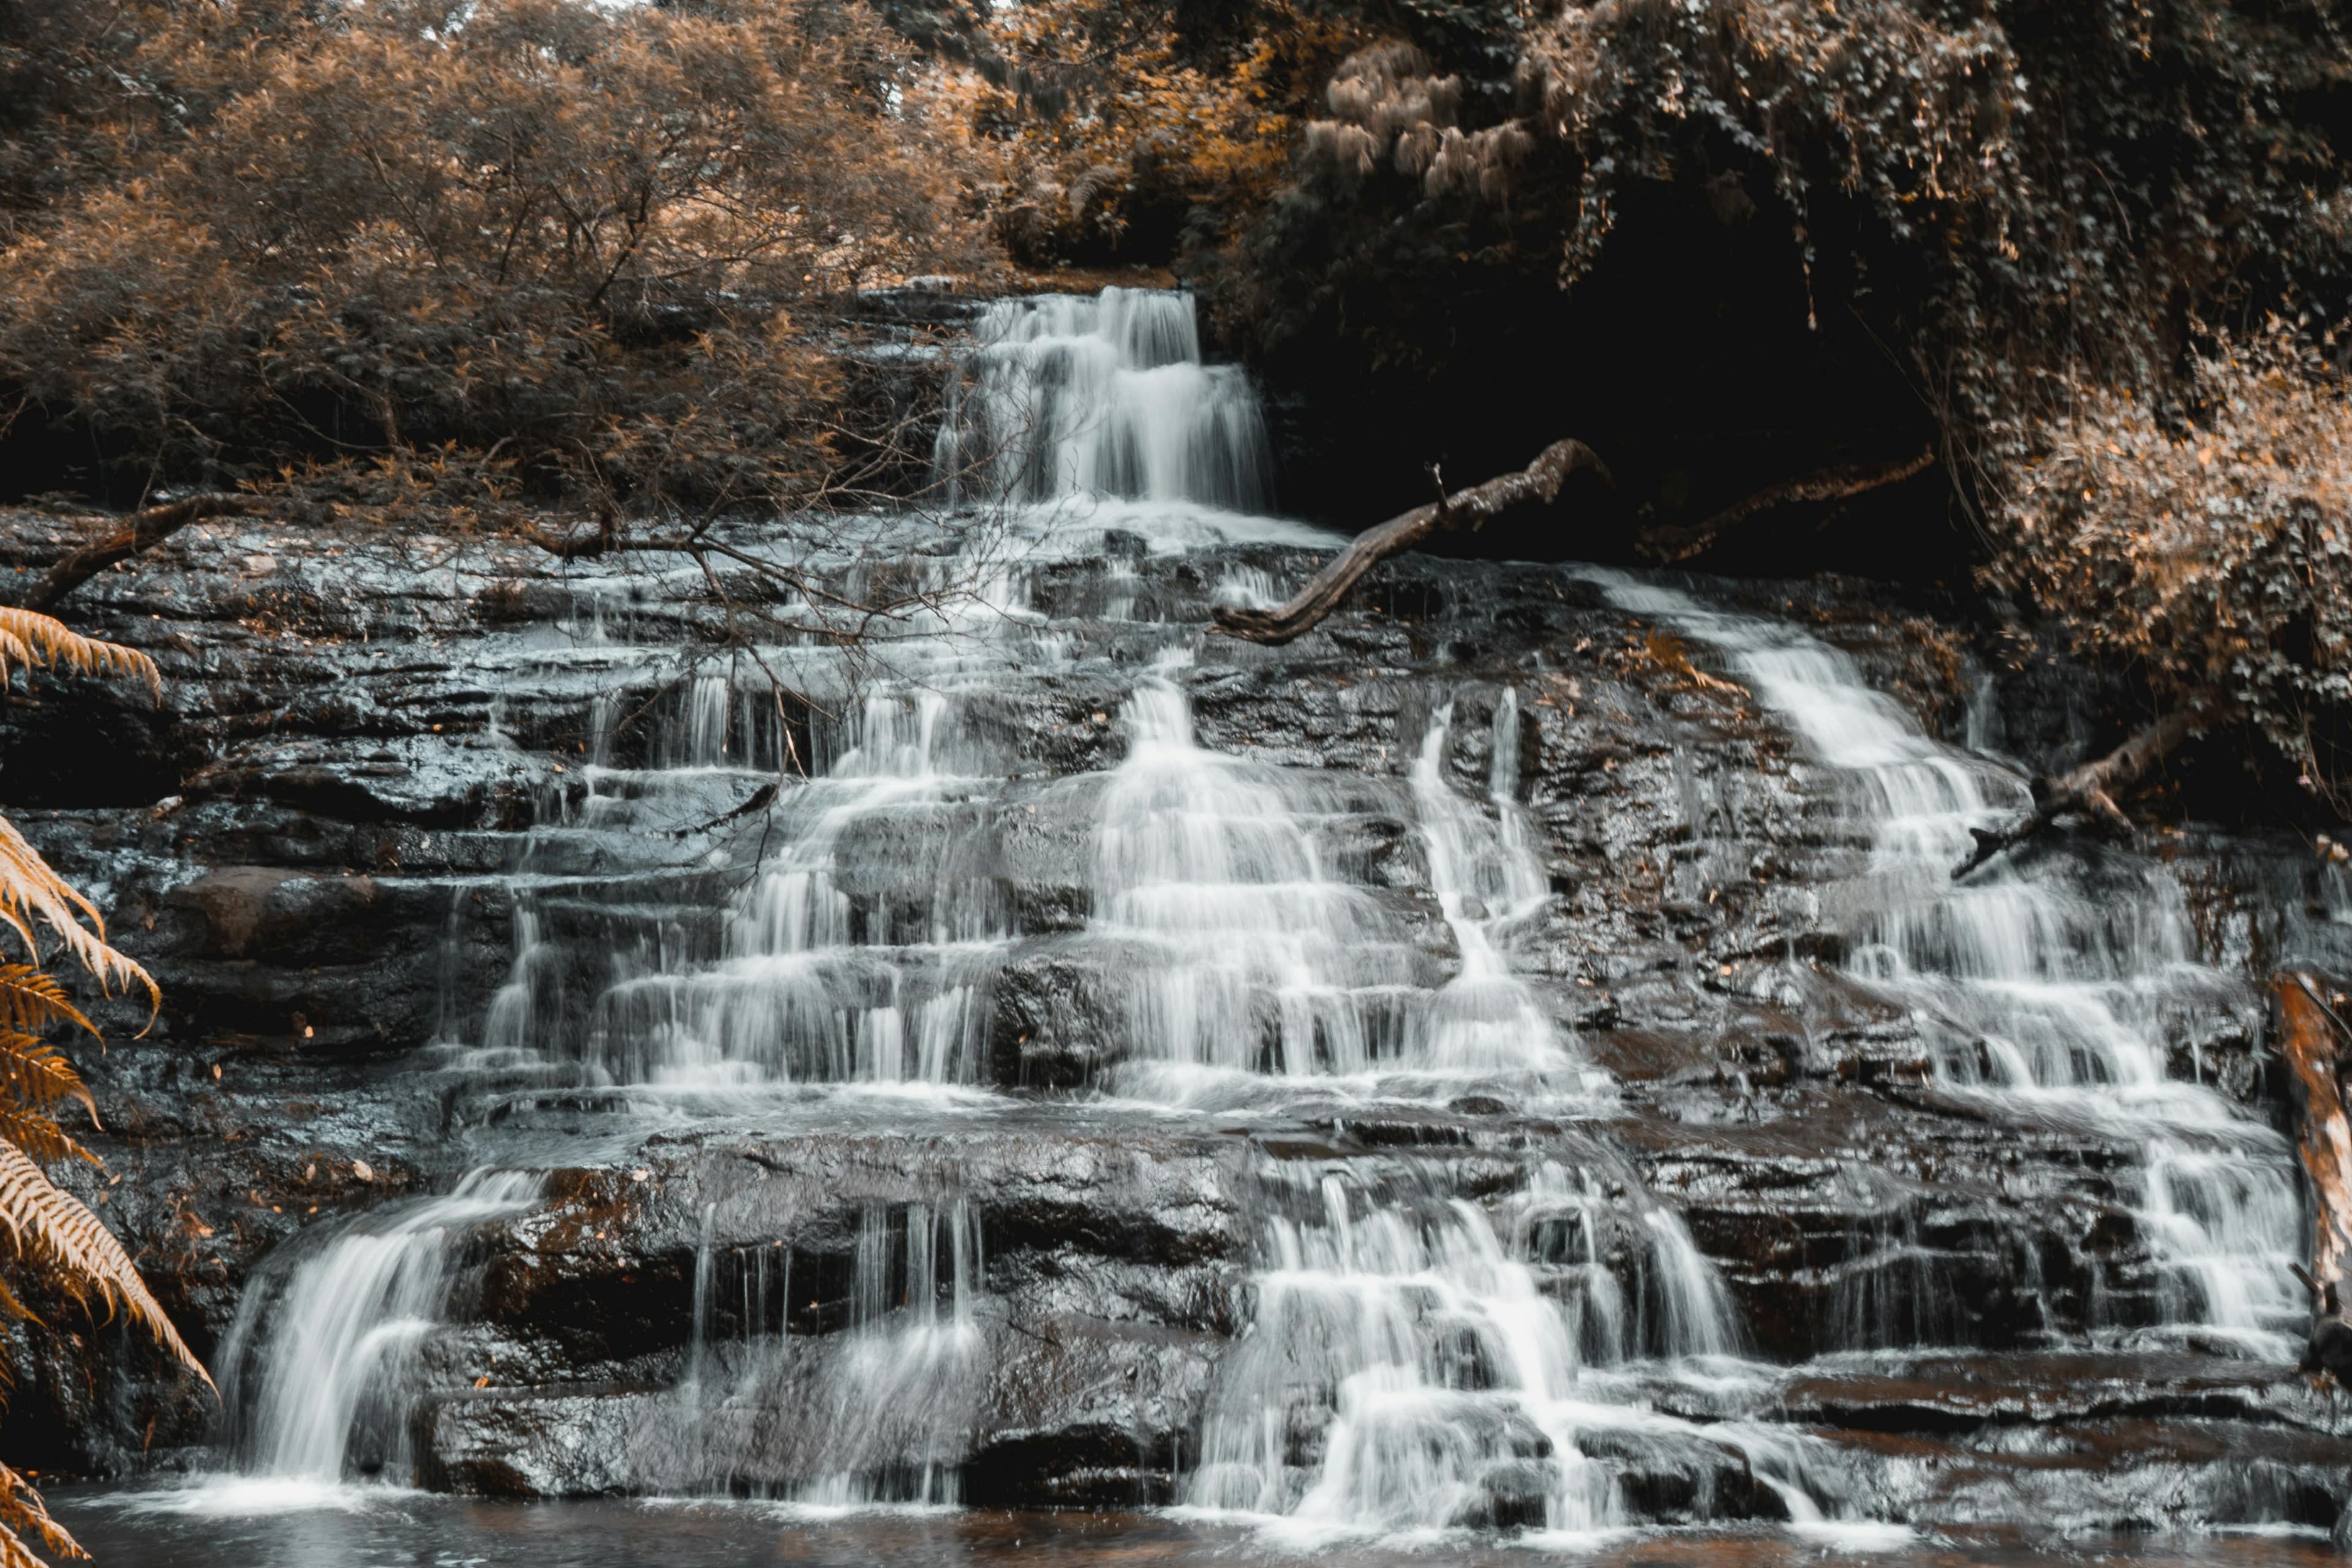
column 30, row 889
column 30, row 1000
column 32, row 639
column 52, row 1229
column 36, row 1076
column 37, row 1134
column 23, row 1513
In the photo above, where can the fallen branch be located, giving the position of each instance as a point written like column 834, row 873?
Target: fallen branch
column 1668, row 545
column 1539, row 481
column 132, row 535
column 2088, row 790
column 603, row 538
column 761, row 799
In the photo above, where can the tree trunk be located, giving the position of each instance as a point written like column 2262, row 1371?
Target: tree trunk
column 132, row 535
column 2310, row 1037
column 2088, row 790
column 1539, row 481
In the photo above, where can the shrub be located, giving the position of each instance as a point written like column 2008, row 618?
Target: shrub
column 1122, row 131
column 2205, row 545
column 572, row 235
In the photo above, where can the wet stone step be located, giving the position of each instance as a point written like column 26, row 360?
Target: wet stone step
column 1961, row 1395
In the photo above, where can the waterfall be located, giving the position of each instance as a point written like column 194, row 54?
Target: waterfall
column 807, row 989
column 1245, row 953
column 327, row 1396
column 1414, row 1364
column 897, row 1397
column 1064, row 397
column 879, row 1411
column 803, row 981
column 1470, row 1333
column 2040, row 994
column 1485, row 1016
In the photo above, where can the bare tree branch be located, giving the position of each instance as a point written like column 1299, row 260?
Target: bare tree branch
column 2087, row 792
column 1539, row 481
column 141, row 532
column 1668, row 545
column 603, row 538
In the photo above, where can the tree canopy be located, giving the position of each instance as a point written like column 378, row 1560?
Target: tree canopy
column 572, row 235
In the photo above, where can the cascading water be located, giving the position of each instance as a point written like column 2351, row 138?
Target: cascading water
column 1245, row 953
column 1255, row 956
column 1485, row 879
column 704, row 978
column 880, row 1411
column 810, row 989
column 1248, row 953
column 2042, row 996
column 1415, row 1363
column 1061, row 401
column 1072, row 398
column 1335, row 1000
column 324, row 1367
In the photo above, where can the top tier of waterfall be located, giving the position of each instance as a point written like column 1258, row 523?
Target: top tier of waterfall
column 1063, row 399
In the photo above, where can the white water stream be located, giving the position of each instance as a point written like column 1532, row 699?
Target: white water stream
column 1074, row 397
column 1077, row 419
column 345, row 1332
column 2046, row 997
column 881, row 1411
column 807, row 991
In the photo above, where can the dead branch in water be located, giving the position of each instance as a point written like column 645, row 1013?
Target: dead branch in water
column 1539, row 481
column 2088, row 790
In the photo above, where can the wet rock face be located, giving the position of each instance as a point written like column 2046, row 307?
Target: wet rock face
column 1103, row 1298
column 310, row 845
column 281, row 842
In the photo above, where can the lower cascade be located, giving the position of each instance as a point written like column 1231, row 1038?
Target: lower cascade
column 1478, row 1071
column 349, row 1334
column 1440, row 1363
column 881, row 1412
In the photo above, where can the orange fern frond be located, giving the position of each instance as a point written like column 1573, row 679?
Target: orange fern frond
column 22, row 1514
column 30, row 889
column 30, row 1000
column 53, row 1226
column 35, row 1075
column 33, row 640
column 36, row 1133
